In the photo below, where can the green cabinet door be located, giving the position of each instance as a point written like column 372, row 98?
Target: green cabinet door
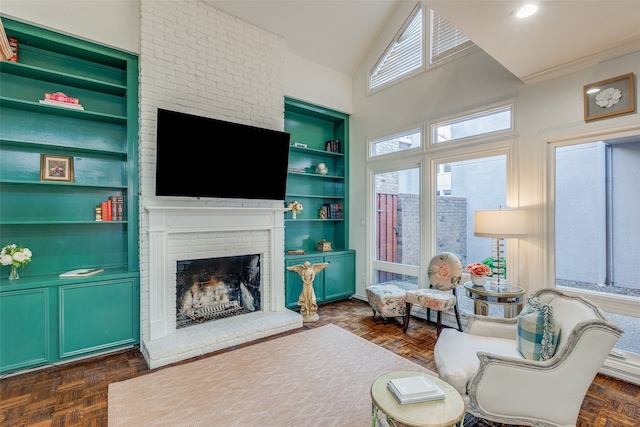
column 98, row 316
column 339, row 276
column 336, row 281
column 24, row 329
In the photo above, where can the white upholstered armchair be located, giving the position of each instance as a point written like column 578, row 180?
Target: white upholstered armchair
column 499, row 384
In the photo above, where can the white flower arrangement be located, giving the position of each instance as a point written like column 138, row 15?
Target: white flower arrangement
column 294, row 206
column 17, row 256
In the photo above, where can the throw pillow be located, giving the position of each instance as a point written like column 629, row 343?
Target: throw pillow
column 537, row 334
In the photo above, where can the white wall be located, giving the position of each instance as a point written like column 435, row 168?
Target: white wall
column 115, row 23
column 550, row 110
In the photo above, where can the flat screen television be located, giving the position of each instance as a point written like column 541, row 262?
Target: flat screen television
column 204, row 157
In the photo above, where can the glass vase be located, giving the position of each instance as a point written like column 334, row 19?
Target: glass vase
column 14, row 273
column 293, row 214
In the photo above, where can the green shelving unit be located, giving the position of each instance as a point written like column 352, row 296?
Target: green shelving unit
column 311, row 127
column 43, row 318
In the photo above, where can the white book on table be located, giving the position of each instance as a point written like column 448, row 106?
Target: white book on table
column 414, row 389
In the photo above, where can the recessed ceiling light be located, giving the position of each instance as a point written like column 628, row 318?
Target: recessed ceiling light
column 526, row 10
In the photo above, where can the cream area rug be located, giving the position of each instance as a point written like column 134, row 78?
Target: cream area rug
column 316, row 377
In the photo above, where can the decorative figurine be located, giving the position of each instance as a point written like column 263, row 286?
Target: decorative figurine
column 322, row 169
column 324, row 246
column 307, row 298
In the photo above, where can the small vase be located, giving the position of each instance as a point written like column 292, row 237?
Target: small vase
column 293, row 215
column 478, row 280
column 14, row 273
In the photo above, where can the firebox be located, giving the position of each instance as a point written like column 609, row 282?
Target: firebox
column 214, row 288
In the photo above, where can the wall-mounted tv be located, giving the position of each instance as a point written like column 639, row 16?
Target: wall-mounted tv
column 204, row 157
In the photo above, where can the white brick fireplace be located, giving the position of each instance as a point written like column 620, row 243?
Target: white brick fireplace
column 183, row 233
column 198, row 60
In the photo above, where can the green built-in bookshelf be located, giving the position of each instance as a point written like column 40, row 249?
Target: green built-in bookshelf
column 312, row 130
column 44, row 318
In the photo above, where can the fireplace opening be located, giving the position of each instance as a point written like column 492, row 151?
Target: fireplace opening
column 213, row 288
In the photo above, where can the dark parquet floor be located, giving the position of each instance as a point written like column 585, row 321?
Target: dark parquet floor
column 76, row 393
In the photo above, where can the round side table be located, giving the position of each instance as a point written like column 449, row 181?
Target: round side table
column 509, row 296
column 435, row 413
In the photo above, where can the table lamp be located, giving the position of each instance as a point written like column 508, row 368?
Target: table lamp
column 500, row 224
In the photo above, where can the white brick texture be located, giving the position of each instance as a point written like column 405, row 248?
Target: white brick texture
column 198, row 60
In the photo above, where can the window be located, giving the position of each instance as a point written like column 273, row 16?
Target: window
column 461, row 192
column 404, row 55
column 597, row 234
column 396, row 143
column 446, row 41
column 484, row 122
column 397, row 227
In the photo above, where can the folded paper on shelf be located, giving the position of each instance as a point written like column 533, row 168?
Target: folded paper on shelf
column 83, row 272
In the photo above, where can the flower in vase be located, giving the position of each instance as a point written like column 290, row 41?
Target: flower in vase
column 294, row 206
column 17, row 256
column 478, row 269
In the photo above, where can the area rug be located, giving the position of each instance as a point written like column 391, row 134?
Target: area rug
column 316, row 377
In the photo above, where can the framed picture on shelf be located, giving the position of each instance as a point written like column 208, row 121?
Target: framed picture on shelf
column 608, row 98
column 56, row 168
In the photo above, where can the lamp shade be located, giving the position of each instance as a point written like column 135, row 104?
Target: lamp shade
column 500, row 224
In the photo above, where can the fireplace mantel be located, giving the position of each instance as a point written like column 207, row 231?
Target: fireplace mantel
column 234, row 230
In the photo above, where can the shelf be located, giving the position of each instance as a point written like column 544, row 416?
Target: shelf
column 49, row 76
column 66, row 148
column 313, row 196
column 59, row 222
column 316, row 175
column 63, row 184
column 313, row 220
column 314, row 152
column 36, row 107
column 47, row 280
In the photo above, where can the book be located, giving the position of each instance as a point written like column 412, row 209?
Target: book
column 61, row 104
column 105, row 211
column 414, row 389
column 120, row 208
column 83, row 272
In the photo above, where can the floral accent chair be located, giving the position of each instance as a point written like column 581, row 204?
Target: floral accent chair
column 445, row 273
column 386, row 299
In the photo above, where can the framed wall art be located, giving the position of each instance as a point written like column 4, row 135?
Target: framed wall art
column 56, row 168
column 608, row 98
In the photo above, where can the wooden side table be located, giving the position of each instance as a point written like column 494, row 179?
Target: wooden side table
column 436, row 413
column 510, row 297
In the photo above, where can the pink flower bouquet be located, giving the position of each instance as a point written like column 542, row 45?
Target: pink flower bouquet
column 478, row 269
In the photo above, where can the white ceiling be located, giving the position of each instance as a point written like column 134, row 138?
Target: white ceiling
column 563, row 36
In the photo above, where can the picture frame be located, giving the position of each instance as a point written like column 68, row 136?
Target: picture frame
column 56, row 168
column 609, row 98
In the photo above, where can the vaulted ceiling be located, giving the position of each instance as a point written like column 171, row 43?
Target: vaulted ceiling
column 565, row 35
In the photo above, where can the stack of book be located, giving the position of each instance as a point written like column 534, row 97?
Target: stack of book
column 111, row 209
column 414, row 389
column 332, row 210
column 59, row 99
column 333, row 145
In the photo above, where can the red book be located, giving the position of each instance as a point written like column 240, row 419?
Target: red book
column 105, row 211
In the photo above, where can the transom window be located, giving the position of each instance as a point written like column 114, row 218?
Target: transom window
column 405, row 55
column 481, row 123
column 396, row 143
column 446, row 40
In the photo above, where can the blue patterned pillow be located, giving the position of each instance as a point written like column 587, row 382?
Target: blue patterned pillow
column 537, row 334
